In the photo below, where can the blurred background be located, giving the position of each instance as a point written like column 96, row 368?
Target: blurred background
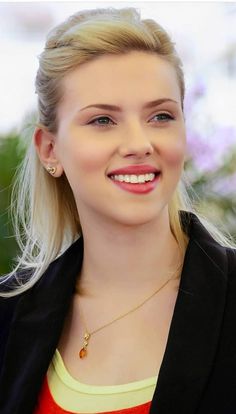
column 205, row 38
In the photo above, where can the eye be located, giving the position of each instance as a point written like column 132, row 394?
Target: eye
column 163, row 117
column 97, row 122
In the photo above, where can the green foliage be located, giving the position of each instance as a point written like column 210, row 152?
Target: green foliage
column 11, row 153
column 215, row 192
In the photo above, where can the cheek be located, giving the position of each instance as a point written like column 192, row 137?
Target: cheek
column 174, row 152
column 78, row 152
column 92, row 157
column 85, row 157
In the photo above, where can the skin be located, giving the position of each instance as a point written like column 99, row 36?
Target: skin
column 129, row 250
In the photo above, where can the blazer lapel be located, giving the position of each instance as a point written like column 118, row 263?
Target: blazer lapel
column 195, row 327
column 36, row 330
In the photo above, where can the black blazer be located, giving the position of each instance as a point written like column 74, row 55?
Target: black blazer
column 198, row 371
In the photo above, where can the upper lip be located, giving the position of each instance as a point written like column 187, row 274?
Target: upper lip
column 135, row 169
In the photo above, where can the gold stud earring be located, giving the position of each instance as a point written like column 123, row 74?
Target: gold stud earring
column 51, row 170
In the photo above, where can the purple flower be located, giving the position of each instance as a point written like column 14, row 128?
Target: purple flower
column 225, row 186
column 210, row 152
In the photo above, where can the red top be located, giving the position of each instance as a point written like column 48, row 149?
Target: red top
column 46, row 404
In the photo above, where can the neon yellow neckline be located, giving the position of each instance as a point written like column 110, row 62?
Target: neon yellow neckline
column 72, row 383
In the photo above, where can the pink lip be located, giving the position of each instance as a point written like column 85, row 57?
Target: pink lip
column 138, row 188
column 135, row 169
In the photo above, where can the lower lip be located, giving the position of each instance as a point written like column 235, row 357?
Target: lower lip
column 137, row 188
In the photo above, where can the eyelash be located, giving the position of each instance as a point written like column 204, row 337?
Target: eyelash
column 168, row 118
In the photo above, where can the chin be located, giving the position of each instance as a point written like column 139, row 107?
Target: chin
column 136, row 218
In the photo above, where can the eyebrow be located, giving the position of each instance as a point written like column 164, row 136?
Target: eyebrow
column 118, row 109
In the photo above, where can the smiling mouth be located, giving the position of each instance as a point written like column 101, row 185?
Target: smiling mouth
column 134, row 178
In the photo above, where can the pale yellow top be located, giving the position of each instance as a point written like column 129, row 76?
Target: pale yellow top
column 72, row 395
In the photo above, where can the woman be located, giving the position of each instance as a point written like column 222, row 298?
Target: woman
column 122, row 300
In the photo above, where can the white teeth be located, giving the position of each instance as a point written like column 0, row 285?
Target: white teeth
column 141, row 178
column 133, row 178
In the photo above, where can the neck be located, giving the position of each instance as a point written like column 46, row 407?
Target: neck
column 128, row 257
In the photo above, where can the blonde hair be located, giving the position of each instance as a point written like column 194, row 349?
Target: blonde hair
column 44, row 211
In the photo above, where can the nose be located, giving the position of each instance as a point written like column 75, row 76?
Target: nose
column 136, row 142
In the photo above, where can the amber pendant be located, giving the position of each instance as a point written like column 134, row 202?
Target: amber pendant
column 83, row 352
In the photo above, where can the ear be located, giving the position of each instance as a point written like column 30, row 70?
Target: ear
column 44, row 142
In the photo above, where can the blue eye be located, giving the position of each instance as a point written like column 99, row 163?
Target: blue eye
column 102, row 124
column 163, row 117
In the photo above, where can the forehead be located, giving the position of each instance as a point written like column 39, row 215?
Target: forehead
column 133, row 77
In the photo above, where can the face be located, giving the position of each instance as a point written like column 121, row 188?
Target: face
column 99, row 148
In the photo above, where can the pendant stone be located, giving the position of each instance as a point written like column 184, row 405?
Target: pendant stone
column 83, row 353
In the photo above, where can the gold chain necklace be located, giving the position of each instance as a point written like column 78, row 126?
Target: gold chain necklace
column 87, row 335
